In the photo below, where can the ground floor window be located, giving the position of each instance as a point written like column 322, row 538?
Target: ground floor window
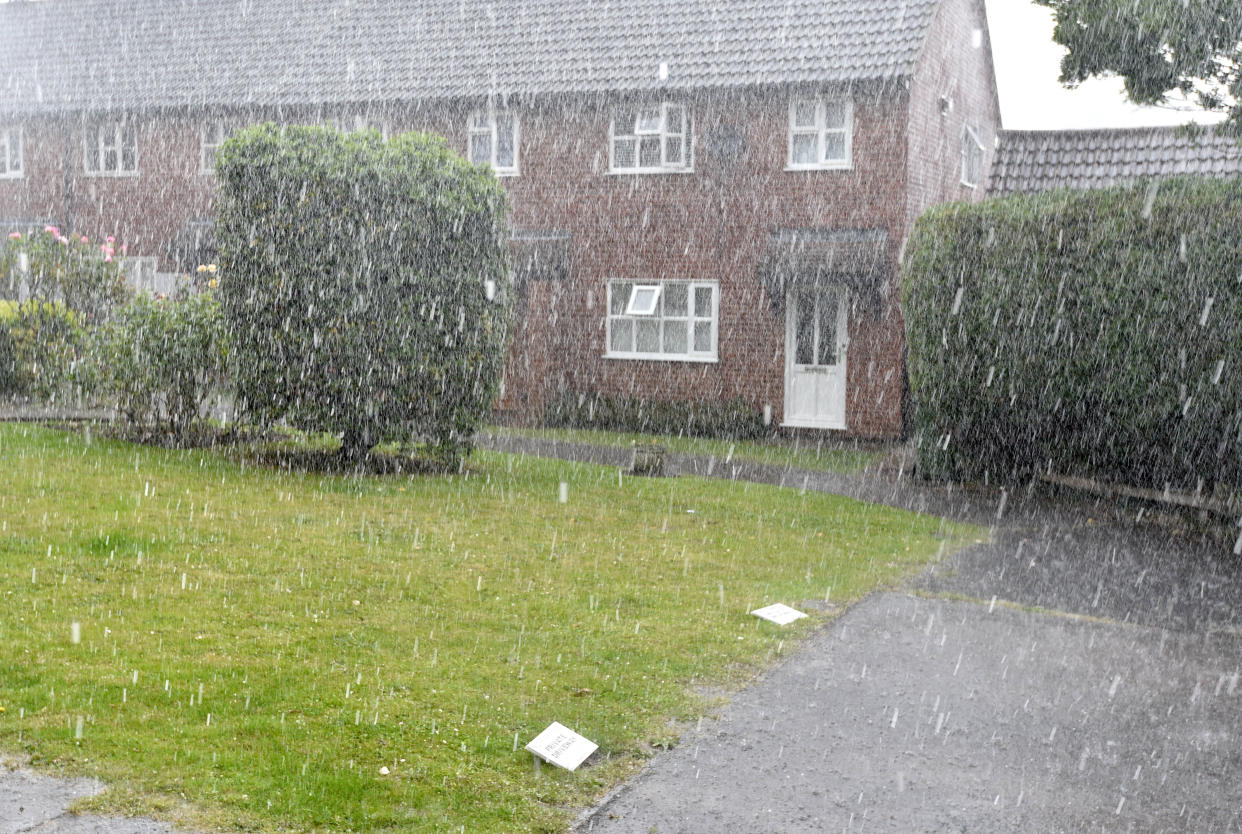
column 668, row 320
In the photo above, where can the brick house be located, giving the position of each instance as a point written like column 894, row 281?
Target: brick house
column 709, row 200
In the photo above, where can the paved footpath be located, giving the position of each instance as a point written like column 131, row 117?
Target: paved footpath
column 1078, row 672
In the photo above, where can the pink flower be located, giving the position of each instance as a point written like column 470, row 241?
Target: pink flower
column 111, row 239
column 85, row 239
column 63, row 240
column 15, row 235
column 52, row 230
column 124, row 248
column 108, row 258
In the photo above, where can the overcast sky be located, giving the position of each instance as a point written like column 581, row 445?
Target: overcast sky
column 1028, row 65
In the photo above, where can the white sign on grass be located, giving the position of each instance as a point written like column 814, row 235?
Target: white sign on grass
column 562, row 747
column 778, row 613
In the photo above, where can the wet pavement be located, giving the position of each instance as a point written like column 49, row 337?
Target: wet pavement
column 1079, row 671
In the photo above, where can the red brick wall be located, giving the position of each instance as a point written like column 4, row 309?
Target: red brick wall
column 952, row 68
column 712, row 224
column 143, row 210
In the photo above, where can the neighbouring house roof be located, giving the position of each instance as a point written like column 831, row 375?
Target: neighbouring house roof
column 75, row 55
column 1029, row 161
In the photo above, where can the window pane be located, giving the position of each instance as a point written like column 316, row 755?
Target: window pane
column 675, row 336
column 647, row 335
column 702, row 337
column 672, row 150
column 620, row 297
column 622, row 336
column 479, row 120
column 834, row 147
column 804, row 114
column 673, row 119
column 804, row 330
column 649, row 121
column 805, row 149
column 129, row 161
column 827, row 330
column 623, row 123
column 110, row 160
column 676, row 300
column 505, row 149
column 643, row 301
column 623, row 153
column 92, row 155
column 834, row 115
column 15, row 150
column 649, row 152
column 129, row 136
column 480, row 148
column 703, row 302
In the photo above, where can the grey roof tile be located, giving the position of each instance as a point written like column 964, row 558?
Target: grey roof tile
column 102, row 54
column 1029, row 161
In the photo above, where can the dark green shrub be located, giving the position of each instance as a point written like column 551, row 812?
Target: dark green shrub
column 1087, row 333
column 45, row 345
column 161, row 360
column 364, row 283
column 731, row 420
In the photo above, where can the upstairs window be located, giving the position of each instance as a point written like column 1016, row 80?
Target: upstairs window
column 972, row 157
column 352, row 122
column 10, row 152
column 651, row 139
column 211, row 136
column 671, row 320
column 111, row 148
column 820, row 133
column 493, row 140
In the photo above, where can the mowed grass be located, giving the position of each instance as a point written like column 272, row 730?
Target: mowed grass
column 800, row 453
column 253, row 646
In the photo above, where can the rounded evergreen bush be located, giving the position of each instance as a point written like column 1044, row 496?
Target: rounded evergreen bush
column 364, row 283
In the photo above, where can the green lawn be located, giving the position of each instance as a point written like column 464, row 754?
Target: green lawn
column 830, row 456
column 252, row 646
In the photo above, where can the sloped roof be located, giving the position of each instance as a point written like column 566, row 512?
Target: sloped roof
column 1029, row 161
column 105, row 54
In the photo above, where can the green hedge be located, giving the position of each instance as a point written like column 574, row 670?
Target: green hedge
column 1086, row 333
column 730, row 420
column 42, row 349
column 365, row 284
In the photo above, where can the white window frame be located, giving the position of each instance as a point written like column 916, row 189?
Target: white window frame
column 651, row 121
column 115, row 130
column 693, row 317
column 483, row 123
column 140, row 271
column 821, row 130
column 10, row 148
column 222, row 128
column 972, row 151
column 353, row 122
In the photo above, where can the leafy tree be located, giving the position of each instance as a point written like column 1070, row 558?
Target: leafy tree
column 1157, row 47
column 364, row 284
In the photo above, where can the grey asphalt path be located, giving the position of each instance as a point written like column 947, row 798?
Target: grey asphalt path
column 31, row 803
column 1080, row 671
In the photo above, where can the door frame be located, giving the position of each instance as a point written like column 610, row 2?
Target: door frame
column 843, row 343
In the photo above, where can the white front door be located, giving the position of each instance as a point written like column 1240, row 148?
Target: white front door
column 816, row 338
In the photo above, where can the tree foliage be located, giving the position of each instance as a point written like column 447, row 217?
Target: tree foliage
column 364, row 283
column 1157, row 47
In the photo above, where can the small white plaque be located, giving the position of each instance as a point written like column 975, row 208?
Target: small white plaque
column 778, row 613
column 562, row 747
